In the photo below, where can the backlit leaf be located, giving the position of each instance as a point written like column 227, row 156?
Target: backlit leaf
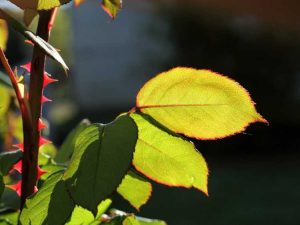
column 198, row 103
column 135, row 189
column 3, row 34
column 168, row 159
column 39, row 4
column 66, row 150
column 102, row 157
column 50, row 205
column 10, row 218
column 112, row 7
column 102, row 207
column 81, row 216
column 131, row 220
column 8, row 159
column 79, row 2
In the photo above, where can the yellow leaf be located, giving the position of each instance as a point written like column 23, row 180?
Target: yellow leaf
column 3, row 34
column 168, row 159
column 39, row 4
column 198, row 103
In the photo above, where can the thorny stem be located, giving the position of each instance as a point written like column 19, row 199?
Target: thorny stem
column 32, row 136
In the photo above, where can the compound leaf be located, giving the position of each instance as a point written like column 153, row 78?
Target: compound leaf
column 198, row 103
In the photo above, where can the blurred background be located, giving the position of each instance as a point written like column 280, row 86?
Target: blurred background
column 254, row 176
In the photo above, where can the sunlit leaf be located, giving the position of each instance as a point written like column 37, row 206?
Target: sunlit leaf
column 39, row 4
column 8, row 159
column 81, row 216
column 135, row 189
column 3, row 34
column 198, row 103
column 146, row 221
column 66, row 150
column 130, row 220
column 102, row 157
column 102, row 207
column 112, row 7
column 50, row 205
column 168, row 159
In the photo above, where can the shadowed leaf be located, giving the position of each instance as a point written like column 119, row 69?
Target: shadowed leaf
column 39, row 4
column 8, row 159
column 102, row 157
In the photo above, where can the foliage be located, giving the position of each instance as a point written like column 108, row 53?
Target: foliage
column 75, row 184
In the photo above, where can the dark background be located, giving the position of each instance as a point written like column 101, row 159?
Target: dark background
column 254, row 176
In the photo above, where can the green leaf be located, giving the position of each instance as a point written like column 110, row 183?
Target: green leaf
column 102, row 207
column 51, row 169
column 66, row 150
column 39, row 4
column 2, row 186
column 112, row 7
column 48, row 49
column 5, row 81
column 50, row 205
column 8, row 159
column 168, row 159
column 81, row 216
column 46, row 154
column 102, row 157
column 131, row 220
column 135, row 189
column 3, row 34
column 198, row 103
column 9, row 218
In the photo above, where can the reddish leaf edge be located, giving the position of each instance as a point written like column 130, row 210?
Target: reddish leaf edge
column 140, row 107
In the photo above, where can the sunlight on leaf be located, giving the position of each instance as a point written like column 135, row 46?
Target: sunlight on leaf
column 168, row 159
column 3, row 34
column 135, row 189
column 39, row 4
column 112, row 7
column 198, row 103
column 81, row 216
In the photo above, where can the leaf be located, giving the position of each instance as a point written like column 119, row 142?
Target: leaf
column 112, row 7
column 168, row 159
column 66, row 150
column 4, row 101
column 48, row 49
column 81, row 216
column 39, row 4
column 9, row 218
column 102, row 157
column 130, row 220
column 5, row 81
column 198, row 103
column 102, row 207
column 50, row 205
column 3, row 34
column 8, row 159
column 135, row 189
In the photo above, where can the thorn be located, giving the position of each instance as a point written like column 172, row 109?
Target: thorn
column 27, row 67
column 35, row 189
column 16, row 187
column 19, row 146
column 41, row 125
column 29, row 42
column 48, row 80
column 40, row 172
column 45, row 99
column 44, row 141
column 18, row 166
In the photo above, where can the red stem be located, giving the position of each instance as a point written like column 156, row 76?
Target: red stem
column 32, row 136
